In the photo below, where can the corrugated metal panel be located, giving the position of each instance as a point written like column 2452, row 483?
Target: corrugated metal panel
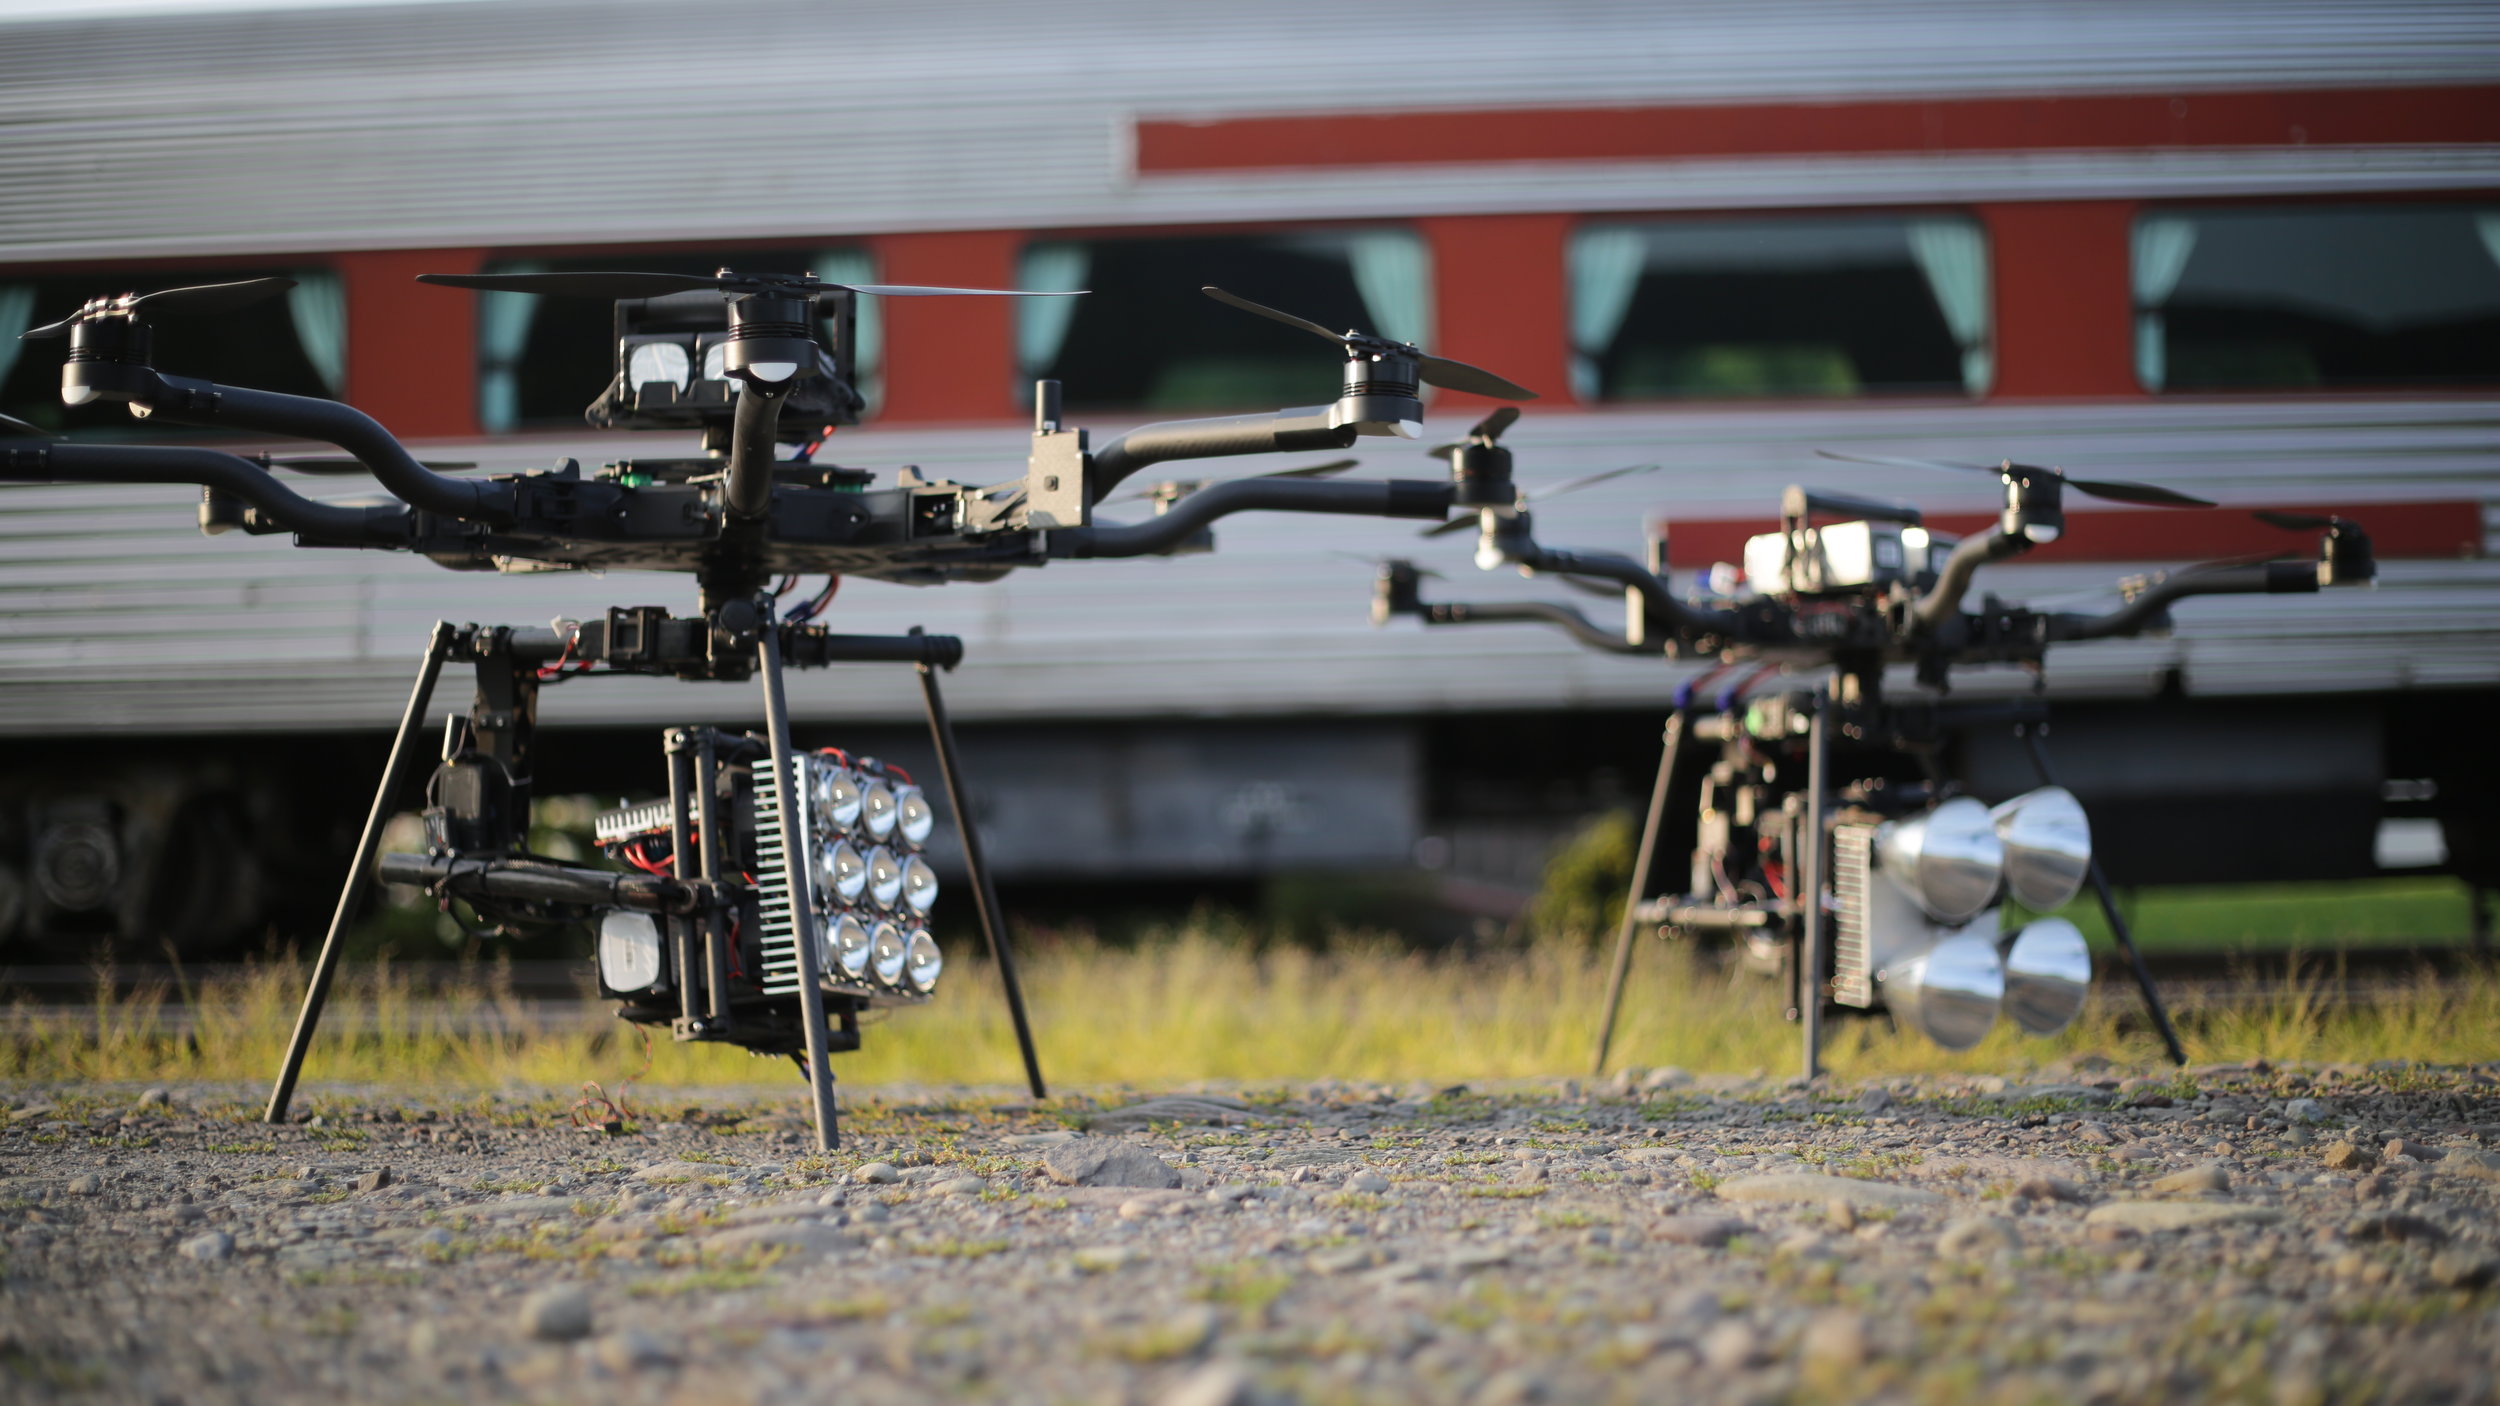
column 115, row 614
column 537, row 121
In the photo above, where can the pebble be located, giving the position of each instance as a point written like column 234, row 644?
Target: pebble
column 86, row 1185
column 1211, row 1384
column 1102, row 1259
column 1098, row 1161
column 1874, row 1101
column 1368, row 1183
column 1978, row 1237
column 374, row 1180
column 2176, row 1215
column 2407, row 1147
column 2472, row 1162
column 2049, row 1189
column 209, row 1247
column 1818, row 1188
column 1835, row 1339
column 2462, row 1269
column 631, row 1351
column 961, row 1186
column 1730, row 1346
column 877, row 1174
column 559, row 1313
column 2344, row 1157
column 2396, row 1225
column 2305, row 1110
column 156, row 1098
column 2209, row 1179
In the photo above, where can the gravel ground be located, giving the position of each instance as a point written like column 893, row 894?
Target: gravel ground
column 2289, row 1235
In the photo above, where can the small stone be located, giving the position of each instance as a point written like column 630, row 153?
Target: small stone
column 1102, row 1259
column 1874, row 1101
column 1368, row 1183
column 1215, row 1384
column 1978, row 1237
column 1707, row 1231
column 1670, row 1077
column 877, row 1174
column 2344, row 1157
column 210, row 1247
column 1834, row 1340
column 2176, row 1215
column 2395, row 1225
column 1345, row 1259
column 156, row 1098
column 797, row 1237
column 375, row 1180
column 1512, row 1386
column 1102, row 1161
column 2407, row 1147
column 834, row 1196
column 1815, row 1187
column 2209, row 1179
column 1730, row 1346
column 2305, row 1110
column 1842, row 1215
column 961, row 1186
column 631, row 1351
column 87, row 1184
column 2462, row 1269
column 558, row 1313
column 2048, row 1189
column 2472, row 1162
column 2373, row 1186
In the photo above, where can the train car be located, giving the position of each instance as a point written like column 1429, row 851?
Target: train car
column 2250, row 251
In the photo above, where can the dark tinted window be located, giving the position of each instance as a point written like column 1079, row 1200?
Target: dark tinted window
column 270, row 346
column 1805, row 306
column 542, row 361
column 1145, row 338
column 2332, row 297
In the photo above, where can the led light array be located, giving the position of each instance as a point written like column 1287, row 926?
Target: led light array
column 1929, row 936
column 872, row 886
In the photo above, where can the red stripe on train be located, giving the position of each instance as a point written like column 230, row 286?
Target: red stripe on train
column 2319, row 117
column 2419, row 531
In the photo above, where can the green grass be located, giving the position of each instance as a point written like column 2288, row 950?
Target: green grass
column 2269, row 917
column 1201, row 1004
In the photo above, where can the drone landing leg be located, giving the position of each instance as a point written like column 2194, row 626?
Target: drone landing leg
column 1808, row 886
column 682, row 863
column 985, row 893
column 811, row 993
column 2109, row 910
column 359, row 871
column 1650, row 829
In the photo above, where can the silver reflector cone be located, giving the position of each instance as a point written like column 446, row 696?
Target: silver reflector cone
column 1951, row 993
column 2048, row 846
column 2047, row 971
column 1947, row 861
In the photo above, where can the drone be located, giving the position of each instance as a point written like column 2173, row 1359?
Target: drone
column 1828, row 843
column 772, row 896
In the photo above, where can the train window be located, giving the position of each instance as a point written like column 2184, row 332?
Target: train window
column 542, row 361
column 1145, row 339
column 1802, row 306
column 2317, row 297
column 295, row 344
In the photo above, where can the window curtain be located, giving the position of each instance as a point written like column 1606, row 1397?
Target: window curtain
column 1042, row 323
column 1393, row 272
column 2160, row 248
column 503, row 333
column 1606, row 264
column 318, row 303
column 17, row 313
column 1953, row 255
column 868, row 325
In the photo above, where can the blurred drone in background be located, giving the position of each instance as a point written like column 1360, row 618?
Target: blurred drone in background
column 1826, row 839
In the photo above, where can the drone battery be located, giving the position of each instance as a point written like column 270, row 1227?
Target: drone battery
column 1843, row 556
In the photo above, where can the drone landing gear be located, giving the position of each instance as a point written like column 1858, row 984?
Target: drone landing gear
column 509, row 663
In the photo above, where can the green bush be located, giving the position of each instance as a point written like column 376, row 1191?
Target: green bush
column 1579, row 899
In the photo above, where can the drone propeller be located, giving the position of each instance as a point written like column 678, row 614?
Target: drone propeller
column 1378, row 562
column 1461, row 524
column 342, row 464
column 2115, row 490
column 1432, row 370
column 613, row 286
column 1330, row 469
column 2297, row 522
column 199, row 300
column 11, row 425
column 1484, row 431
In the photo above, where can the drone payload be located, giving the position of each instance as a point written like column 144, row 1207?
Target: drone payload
column 773, row 895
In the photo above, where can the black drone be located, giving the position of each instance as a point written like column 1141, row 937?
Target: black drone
column 1815, row 793
column 772, row 896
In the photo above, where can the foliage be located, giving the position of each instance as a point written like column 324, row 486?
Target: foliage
column 1579, row 900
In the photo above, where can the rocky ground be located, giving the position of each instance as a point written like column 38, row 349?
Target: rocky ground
column 2291, row 1235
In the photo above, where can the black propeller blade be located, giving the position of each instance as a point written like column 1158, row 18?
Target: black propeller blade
column 11, row 425
column 1484, row 431
column 342, row 464
column 612, row 286
column 2115, row 490
column 2295, row 522
column 1461, row 524
column 1378, row 562
column 1433, row 370
column 200, row 300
